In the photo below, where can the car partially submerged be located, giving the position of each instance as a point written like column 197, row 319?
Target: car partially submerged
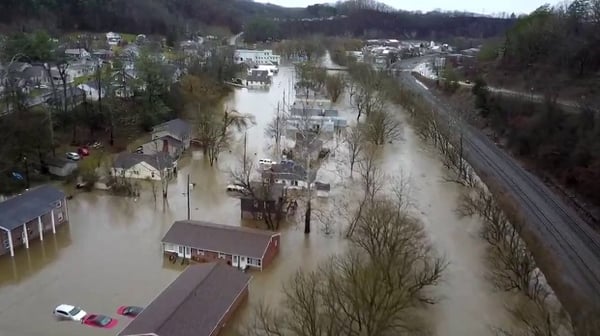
column 129, row 311
column 69, row 312
column 99, row 321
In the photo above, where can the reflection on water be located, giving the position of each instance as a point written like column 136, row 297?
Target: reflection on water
column 111, row 254
column 28, row 261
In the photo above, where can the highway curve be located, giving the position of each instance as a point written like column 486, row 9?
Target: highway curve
column 575, row 246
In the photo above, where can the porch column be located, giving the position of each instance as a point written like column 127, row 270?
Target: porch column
column 53, row 224
column 10, row 244
column 66, row 210
column 40, row 228
column 25, row 236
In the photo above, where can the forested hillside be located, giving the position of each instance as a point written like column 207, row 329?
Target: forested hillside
column 134, row 16
column 555, row 50
column 375, row 23
column 260, row 21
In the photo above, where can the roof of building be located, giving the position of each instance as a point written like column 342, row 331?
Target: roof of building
column 34, row 71
column 194, row 304
column 175, row 126
column 76, row 51
column 171, row 141
column 220, row 238
column 159, row 160
column 291, row 171
column 59, row 162
column 259, row 76
column 29, row 205
column 265, row 191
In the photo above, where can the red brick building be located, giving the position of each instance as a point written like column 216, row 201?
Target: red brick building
column 206, row 242
column 199, row 302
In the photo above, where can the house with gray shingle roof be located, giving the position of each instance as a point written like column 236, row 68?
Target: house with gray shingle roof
column 178, row 129
column 234, row 245
column 200, row 302
column 29, row 215
column 141, row 166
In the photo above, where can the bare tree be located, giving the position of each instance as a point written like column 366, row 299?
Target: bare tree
column 535, row 318
column 357, row 293
column 513, row 266
column 335, row 86
column 269, row 200
column 382, row 127
column 355, row 143
column 372, row 182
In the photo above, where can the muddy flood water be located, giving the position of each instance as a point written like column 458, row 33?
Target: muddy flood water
column 110, row 255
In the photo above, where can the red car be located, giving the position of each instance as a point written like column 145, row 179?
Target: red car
column 83, row 151
column 99, row 321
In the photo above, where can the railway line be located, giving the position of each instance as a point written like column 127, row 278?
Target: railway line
column 575, row 245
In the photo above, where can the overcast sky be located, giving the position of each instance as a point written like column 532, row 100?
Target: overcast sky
column 477, row 6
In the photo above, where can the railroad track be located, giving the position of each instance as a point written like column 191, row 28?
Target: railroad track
column 564, row 240
column 577, row 241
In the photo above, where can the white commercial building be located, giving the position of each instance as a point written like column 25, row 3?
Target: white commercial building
column 256, row 56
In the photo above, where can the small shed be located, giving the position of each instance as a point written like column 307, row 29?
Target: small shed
column 60, row 167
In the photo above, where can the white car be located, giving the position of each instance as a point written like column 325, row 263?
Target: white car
column 236, row 188
column 265, row 163
column 68, row 312
column 73, row 156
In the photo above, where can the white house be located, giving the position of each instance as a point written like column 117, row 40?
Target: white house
column 141, row 166
column 290, row 174
column 256, row 56
column 92, row 92
column 77, row 53
column 113, row 39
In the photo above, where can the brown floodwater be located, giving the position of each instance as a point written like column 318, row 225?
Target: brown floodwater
column 109, row 254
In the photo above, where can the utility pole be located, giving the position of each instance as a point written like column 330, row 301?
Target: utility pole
column 245, row 148
column 188, row 197
column 26, row 172
column 277, row 135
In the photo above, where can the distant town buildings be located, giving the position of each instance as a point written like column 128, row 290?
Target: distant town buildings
column 260, row 57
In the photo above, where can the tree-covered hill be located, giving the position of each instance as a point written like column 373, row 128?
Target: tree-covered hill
column 134, row 16
column 355, row 17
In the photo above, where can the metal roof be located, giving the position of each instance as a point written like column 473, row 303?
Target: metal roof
column 193, row 304
column 29, row 205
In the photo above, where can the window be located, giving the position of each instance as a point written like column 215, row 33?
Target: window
column 259, row 263
column 6, row 244
column 200, row 252
column 60, row 217
column 58, row 204
column 275, row 242
column 222, row 255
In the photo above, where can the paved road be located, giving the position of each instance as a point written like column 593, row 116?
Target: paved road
column 568, row 106
column 233, row 39
column 576, row 245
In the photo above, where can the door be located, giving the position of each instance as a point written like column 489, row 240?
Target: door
column 180, row 251
column 235, row 261
column 243, row 262
column 188, row 252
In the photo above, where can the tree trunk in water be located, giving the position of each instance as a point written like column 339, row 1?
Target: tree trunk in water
column 307, row 218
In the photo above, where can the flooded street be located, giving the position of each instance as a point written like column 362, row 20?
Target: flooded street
column 110, row 253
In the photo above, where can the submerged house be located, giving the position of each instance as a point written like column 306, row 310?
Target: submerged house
column 208, row 242
column 258, row 78
column 30, row 215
